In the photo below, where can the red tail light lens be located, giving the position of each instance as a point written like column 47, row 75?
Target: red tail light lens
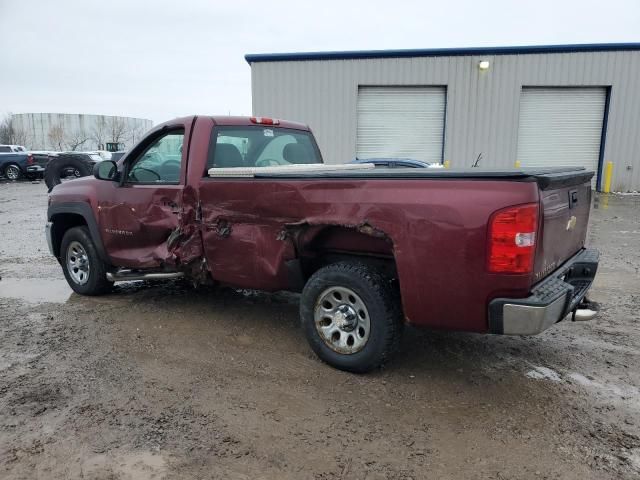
column 512, row 239
column 265, row 121
column 30, row 160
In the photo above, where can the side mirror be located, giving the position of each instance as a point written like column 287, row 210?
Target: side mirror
column 105, row 170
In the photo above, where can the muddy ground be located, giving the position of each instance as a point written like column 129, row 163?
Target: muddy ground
column 162, row 381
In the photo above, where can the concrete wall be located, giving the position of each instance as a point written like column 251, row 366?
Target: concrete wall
column 37, row 128
column 482, row 106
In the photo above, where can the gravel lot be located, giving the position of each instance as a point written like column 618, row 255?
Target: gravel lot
column 163, row 381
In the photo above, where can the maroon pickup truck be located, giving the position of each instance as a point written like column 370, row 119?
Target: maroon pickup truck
column 247, row 202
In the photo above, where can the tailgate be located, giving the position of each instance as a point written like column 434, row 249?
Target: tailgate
column 565, row 216
column 41, row 160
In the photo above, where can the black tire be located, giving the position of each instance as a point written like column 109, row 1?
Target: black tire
column 382, row 301
column 57, row 166
column 97, row 283
column 12, row 172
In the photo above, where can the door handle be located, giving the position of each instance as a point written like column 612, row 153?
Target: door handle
column 573, row 198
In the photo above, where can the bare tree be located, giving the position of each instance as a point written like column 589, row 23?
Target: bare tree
column 100, row 132
column 57, row 136
column 19, row 136
column 135, row 133
column 117, row 129
column 6, row 129
column 10, row 133
column 76, row 139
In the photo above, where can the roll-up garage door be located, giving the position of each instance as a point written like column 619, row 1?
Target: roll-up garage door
column 561, row 126
column 401, row 122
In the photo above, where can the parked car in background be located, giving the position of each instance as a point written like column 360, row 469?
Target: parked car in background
column 103, row 154
column 39, row 161
column 397, row 163
column 14, row 166
column 115, row 156
column 12, row 149
column 91, row 158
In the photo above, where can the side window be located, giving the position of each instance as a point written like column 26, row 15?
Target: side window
column 160, row 162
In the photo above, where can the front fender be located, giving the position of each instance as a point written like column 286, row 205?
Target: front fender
column 83, row 210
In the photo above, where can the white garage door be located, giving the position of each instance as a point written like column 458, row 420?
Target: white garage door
column 406, row 122
column 561, row 127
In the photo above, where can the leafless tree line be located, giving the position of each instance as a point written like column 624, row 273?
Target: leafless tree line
column 106, row 130
column 10, row 134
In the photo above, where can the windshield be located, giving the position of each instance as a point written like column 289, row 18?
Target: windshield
column 259, row 146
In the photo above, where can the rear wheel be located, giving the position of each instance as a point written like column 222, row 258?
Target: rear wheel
column 12, row 172
column 351, row 316
column 83, row 268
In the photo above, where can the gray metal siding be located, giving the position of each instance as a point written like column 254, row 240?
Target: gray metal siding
column 482, row 110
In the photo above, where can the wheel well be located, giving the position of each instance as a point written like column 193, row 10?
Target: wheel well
column 333, row 244
column 61, row 223
column 386, row 265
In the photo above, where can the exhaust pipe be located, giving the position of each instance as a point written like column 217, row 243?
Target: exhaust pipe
column 129, row 275
column 583, row 314
column 585, row 311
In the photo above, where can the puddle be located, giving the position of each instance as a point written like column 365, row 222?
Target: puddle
column 35, row 290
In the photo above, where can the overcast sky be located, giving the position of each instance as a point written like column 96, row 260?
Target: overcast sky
column 122, row 57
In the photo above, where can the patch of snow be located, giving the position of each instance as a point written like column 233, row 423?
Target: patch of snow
column 633, row 457
column 625, row 392
column 544, row 373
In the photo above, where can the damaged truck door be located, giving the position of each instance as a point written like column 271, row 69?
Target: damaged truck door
column 143, row 216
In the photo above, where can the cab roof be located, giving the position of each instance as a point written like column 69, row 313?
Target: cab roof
column 247, row 121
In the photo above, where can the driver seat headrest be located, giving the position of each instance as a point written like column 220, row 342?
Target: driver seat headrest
column 296, row 153
column 227, row 155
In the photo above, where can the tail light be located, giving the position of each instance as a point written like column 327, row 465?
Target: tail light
column 30, row 160
column 512, row 239
column 265, row 121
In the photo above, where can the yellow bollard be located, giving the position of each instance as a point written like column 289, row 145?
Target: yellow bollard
column 608, row 174
column 447, row 164
column 517, row 164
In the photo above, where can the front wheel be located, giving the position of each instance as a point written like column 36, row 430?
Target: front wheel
column 84, row 270
column 351, row 316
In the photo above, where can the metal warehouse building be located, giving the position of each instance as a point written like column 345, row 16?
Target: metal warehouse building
column 539, row 105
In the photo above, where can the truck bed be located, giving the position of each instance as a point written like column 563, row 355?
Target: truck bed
column 552, row 177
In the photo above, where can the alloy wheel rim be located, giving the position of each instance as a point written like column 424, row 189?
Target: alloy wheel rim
column 12, row 172
column 342, row 320
column 78, row 263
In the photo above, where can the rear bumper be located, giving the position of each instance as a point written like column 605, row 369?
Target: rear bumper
column 551, row 300
column 35, row 169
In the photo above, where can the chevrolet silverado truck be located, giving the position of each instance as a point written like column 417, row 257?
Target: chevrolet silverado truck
column 248, row 202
